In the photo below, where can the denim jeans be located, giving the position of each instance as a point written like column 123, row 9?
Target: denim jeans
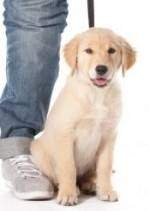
column 33, row 32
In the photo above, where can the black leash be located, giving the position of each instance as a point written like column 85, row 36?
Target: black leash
column 90, row 5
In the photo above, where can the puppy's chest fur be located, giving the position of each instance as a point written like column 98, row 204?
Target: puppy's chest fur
column 98, row 118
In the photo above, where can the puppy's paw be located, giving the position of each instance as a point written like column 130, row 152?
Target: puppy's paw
column 107, row 195
column 68, row 196
column 88, row 188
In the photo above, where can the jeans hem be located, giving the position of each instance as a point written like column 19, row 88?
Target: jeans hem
column 13, row 146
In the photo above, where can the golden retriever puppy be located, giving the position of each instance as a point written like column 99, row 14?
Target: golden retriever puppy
column 76, row 147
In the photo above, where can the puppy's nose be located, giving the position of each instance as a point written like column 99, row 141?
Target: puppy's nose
column 101, row 69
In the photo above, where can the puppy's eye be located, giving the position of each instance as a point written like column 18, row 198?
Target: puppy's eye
column 88, row 50
column 111, row 51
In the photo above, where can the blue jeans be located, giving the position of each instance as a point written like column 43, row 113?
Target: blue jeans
column 33, row 31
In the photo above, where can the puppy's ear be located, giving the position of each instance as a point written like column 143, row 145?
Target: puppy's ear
column 128, row 55
column 71, row 51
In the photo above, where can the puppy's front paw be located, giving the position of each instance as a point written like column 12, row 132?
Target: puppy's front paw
column 67, row 196
column 107, row 195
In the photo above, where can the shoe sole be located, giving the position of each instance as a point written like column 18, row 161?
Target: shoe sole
column 35, row 195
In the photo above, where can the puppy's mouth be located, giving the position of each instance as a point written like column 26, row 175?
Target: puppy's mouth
column 100, row 81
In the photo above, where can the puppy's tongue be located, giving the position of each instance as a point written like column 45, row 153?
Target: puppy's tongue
column 100, row 81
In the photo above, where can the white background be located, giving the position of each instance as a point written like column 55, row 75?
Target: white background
column 132, row 155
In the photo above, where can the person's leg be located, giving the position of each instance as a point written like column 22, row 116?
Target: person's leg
column 33, row 29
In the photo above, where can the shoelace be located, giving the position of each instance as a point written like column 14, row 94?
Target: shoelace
column 25, row 166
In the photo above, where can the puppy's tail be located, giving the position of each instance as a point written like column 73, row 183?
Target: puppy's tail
column 40, row 157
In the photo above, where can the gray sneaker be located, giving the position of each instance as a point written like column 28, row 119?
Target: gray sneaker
column 25, row 180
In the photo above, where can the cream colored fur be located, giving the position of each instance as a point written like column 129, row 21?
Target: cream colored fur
column 80, row 131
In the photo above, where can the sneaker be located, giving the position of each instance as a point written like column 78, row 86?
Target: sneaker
column 25, row 180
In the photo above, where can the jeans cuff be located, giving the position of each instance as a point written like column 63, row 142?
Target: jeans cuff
column 13, row 146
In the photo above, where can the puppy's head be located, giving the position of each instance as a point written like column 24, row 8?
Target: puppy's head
column 98, row 54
